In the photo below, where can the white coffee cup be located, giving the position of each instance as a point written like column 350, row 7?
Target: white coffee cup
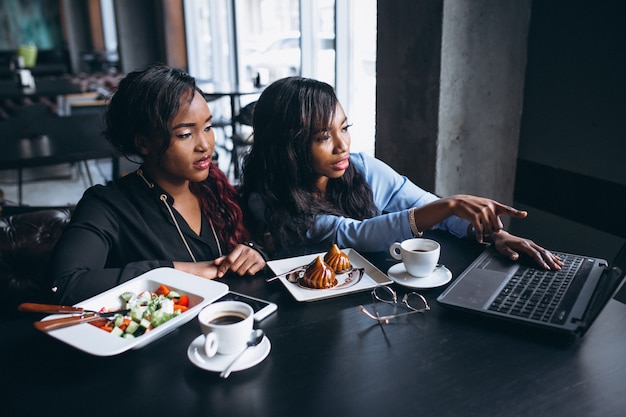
column 227, row 326
column 420, row 256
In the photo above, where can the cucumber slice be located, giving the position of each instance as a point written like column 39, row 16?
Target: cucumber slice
column 137, row 313
column 118, row 320
column 145, row 323
column 159, row 317
column 140, row 330
column 127, row 295
column 132, row 327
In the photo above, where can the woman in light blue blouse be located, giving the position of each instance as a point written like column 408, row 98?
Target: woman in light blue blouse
column 304, row 191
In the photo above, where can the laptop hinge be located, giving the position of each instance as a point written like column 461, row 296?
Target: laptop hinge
column 607, row 285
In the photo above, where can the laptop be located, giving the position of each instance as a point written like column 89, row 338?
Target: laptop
column 567, row 301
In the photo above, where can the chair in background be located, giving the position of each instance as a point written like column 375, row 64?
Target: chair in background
column 26, row 241
column 235, row 141
column 83, row 103
column 242, row 141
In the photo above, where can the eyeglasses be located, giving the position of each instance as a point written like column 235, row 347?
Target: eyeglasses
column 414, row 302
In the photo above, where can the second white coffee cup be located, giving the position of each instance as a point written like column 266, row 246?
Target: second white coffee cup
column 420, row 256
column 227, row 326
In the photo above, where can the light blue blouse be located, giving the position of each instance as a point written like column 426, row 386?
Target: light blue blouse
column 393, row 194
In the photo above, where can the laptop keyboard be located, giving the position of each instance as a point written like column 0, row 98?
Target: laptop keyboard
column 544, row 296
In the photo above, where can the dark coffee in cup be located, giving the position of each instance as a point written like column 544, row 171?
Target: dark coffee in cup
column 419, row 250
column 226, row 319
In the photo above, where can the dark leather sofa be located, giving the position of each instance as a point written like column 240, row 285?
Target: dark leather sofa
column 26, row 242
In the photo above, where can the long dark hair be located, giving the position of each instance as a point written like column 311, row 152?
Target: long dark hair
column 279, row 166
column 143, row 106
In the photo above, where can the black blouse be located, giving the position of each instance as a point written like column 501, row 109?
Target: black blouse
column 118, row 232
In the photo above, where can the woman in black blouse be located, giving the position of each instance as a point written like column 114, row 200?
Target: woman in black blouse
column 177, row 210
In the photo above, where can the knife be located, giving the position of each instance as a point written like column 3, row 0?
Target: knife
column 51, row 308
column 53, row 324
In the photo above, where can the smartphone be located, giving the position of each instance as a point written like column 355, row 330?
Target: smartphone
column 262, row 308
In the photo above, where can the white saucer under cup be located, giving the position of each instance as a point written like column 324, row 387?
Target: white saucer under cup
column 440, row 276
column 251, row 357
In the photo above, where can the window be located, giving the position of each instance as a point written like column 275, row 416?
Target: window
column 209, row 42
column 356, row 69
column 246, row 43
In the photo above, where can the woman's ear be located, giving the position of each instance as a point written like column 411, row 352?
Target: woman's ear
column 142, row 145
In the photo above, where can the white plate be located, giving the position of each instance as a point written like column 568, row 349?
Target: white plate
column 372, row 276
column 218, row 363
column 440, row 276
column 95, row 341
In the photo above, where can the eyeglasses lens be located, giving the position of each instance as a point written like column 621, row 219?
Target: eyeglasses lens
column 384, row 294
column 414, row 301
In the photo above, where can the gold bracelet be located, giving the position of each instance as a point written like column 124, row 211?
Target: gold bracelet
column 414, row 229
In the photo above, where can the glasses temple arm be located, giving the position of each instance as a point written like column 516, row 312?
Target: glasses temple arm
column 385, row 319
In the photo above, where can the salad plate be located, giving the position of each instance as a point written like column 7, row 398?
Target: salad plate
column 98, row 342
column 218, row 363
column 372, row 276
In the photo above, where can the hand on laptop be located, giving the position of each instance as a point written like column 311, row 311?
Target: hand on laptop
column 510, row 246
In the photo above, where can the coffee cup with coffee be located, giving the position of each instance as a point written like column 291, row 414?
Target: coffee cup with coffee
column 226, row 326
column 419, row 256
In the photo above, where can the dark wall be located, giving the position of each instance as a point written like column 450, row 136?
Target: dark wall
column 408, row 68
column 571, row 174
column 575, row 98
column 572, row 141
column 139, row 33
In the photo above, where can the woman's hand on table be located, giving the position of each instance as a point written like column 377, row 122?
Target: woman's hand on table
column 243, row 260
column 204, row 269
column 511, row 246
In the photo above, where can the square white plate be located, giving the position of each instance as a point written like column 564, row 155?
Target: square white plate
column 95, row 341
column 372, row 276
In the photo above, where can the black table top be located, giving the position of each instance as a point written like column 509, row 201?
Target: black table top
column 44, row 87
column 49, row 140
column 329, row 359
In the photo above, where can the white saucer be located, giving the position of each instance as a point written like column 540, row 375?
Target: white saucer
column 440, row 276
column 218, row 363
